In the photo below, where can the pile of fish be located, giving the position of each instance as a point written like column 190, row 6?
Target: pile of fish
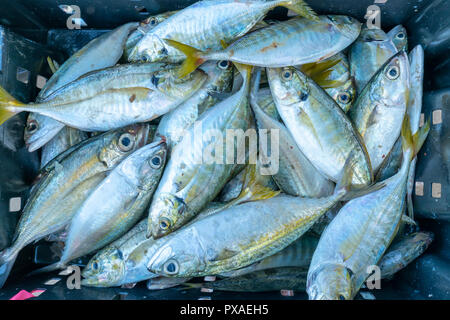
column 124, row 175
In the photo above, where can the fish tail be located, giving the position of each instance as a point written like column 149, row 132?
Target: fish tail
column 7, row 105
column 345, row 190
column 246, row 72
column 413, row 142
column 49, row 268
column 188, row 285
column 252, row 190
column 299, row 7
column 52, row 65
column 7, row 259
column 194, row 57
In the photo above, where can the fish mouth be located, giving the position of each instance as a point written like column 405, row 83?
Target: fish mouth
column 37, row 141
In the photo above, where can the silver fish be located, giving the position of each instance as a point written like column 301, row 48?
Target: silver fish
column 63, row 140
column 361, row 232
column 367, row 54
column 380, row 108
column 205, row 24
column 65, row 183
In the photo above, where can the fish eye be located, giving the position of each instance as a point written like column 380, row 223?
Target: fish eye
column 400, row 35
column 32, row 126
column 303, row 96
column 287, row 74
column 126, row 142
column 223, row 64
column 144, row 58
column 95, row 266
column 164, row 51
column 152, row 21
column 164, row 223
column 156, row 162
column 341, row 297
column 344, row 97
column 171, row 267
column 393, row 72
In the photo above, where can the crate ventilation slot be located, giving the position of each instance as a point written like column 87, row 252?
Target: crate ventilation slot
column 40, row 81
column 141, row 10
column 23, row 75
column 15, row 204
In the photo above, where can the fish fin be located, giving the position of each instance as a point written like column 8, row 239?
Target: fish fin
column 7, row 102
column 223, row 44
column 49, row 268
column 52, row 65
column 194, row 57
column 225, row 254
column 413, row 142
column 188, row 285
column 301, row 8
column 6, row 264
column 246, row 72
column 409, row 203
column 408, row 220
column 252, row 190
column 345, row 183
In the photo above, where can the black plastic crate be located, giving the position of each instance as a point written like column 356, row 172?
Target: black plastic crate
column 32, row 30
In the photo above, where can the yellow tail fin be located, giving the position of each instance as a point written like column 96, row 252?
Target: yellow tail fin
column 252, row 190
column 7, row 100
column 301, row 8
column 246, row 72
column 52, row 65
column 415, row 141
column 193, row 57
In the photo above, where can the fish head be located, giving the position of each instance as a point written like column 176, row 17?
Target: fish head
column 290, row 86
column 178, row 257
column 39, row 130
column 220, row 74
column 106, row 268
column 150, row 48
column 122, row 142
column 145, row 166
column 330, row 282
column 348, row 26
column 399, row 37
column 167, row 82
column 392, row 82
column 167, row 213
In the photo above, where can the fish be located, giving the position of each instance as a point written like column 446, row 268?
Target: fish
column 101, row 52
column 399, row 37
column 125, row 260
column 368, row 54
column 273, row 46
column 298, row 254
column 144, row 27
column 40, row 130
column 65, row 183
column 238, row 236
column 416, row 59
column 296, row 175
column 110, row 211
column 161, row 283
column 133, row 94
column 361, row 232
column 402, row 253
column 174, row 123
column 286, row 278
column 181, row 193
column 294, row 277
column 380, row 108
column 333, row 75
column 322, row 131
column 63, row 140
column 205, row 24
